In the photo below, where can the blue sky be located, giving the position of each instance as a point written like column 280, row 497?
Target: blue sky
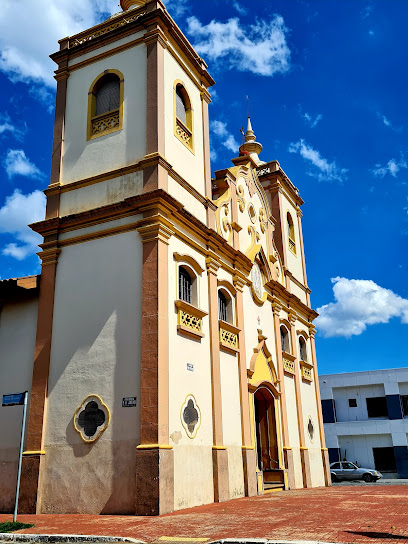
column 327, row 84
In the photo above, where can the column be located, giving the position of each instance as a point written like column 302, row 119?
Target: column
column 155, row 176
column 220, row 453
column 304, row 452
column 248, row 448
column 325, row 453
column 154, row 456
column 30, row 487
column 287, row 450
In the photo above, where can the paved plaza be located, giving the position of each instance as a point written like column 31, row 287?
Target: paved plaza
column 369, row 513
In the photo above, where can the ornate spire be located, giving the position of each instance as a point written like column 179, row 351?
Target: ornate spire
column 251, row 146
column 127, row 4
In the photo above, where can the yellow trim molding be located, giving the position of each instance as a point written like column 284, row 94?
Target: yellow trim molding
column 108, row 122
column 34, row 452
column 189, row 319
column 219, row 448
column 189, row 260
column 154, row 447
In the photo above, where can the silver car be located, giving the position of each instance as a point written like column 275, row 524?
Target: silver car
column 344, row 470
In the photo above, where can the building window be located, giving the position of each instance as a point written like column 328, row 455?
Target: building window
column 222, row 306
column 185, row 286
column 404, row 400
column 105, row 104
column 183, row 116
column 352, row 403
column 377, row 407
column 302, row 349
column 285, row 343
column 384, row 459
column 291, row 233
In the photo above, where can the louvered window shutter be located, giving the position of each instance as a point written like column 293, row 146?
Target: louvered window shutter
column 180, row 107
column 108, row 96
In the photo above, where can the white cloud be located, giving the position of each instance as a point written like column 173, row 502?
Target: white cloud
column 384, row 119
column 392, row 167
column 176, row 8
column 239, row 8
column 226, row 138
column 260, row 48
column 324, row 170
column 17, row 164
column 8, row 128
column 312, row 121
column 359, row 303
column 29, row 32
column 18, row 211
column 366, row 12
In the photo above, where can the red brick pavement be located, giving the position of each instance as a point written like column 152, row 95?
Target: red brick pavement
column 339, row 514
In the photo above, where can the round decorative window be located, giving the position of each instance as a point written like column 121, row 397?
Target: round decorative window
column 256, row 278
column 190, row 416
column 310, row 429
column 91, row 419
column 252, row 213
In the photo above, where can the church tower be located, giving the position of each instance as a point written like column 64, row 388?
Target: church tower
column 174, row 361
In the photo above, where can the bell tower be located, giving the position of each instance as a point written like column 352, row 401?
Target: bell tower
column 130, row 148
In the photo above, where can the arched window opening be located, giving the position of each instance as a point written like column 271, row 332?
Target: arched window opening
column 181, row 108
column 291, row 233
column 222, row 306
column 105, row 104
column 225, row 307
column 185, row 286
column 183, row 116
column 107, row 95
column 285, row 344
column 302, row 349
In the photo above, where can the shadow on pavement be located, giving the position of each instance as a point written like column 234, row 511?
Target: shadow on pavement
column 374, row 534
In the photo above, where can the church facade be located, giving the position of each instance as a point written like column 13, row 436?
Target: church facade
column 168, row 344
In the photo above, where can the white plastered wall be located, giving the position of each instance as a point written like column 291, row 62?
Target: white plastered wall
column 360, row 448
column 294, row 262
column 193, row 474
column 187, row 164
column 18, row 325
column 82, row 158
column 96, row 348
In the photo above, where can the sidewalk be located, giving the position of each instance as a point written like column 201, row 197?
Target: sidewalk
column 339, row 514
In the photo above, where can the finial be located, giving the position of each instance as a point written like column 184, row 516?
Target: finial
column 251, row 146
column 127, row 4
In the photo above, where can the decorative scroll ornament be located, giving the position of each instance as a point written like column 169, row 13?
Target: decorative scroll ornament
column 91, row 419
column 226, row 225
column 263, row 222
column 191, row 416
column 183, row 133
column 240, row 198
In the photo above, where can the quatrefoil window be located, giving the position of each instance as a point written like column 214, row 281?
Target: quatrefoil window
column 91, row 419
column 190, row 416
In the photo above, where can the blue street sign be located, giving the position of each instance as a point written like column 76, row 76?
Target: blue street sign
column 17, row 399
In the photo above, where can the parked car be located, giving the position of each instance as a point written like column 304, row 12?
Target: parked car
column 344, row 470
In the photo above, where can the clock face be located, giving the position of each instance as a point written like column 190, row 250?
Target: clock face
column 256, row 278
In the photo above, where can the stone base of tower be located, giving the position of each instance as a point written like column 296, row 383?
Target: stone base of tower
column 249, row 463
column 154, row 481
column 326, row 467
column 221, row 476
column 30, row 472
column 290, row 465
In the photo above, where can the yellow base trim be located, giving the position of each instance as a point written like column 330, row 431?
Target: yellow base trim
column 324, row 449
column 287, row 448
column 302, row 448
column 266, row 491
column 219, row 448
column 33, row 452
column 154, row 447
column 248, row 447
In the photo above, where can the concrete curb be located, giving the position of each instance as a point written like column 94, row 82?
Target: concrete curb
column 68, row 539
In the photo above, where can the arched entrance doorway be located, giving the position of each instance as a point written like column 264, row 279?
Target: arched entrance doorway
column 267, row 445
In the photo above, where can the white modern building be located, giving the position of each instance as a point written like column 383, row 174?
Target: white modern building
column 365, row 418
